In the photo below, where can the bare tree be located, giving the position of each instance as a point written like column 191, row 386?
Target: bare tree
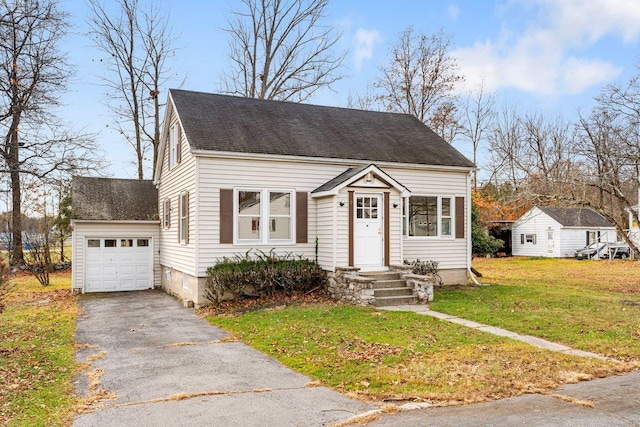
column 505, row 144
column 136, row 43
column 280, row 49
column 34, row 73
column 420, row 79
column 477, row 117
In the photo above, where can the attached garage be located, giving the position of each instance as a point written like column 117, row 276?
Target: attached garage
column 115, row 243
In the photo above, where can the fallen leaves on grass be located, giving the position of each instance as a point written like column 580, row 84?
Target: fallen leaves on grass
column 357, row 349
column 36, row 355
column 244, row 305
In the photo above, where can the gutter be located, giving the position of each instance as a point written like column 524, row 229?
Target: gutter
column 470, row 234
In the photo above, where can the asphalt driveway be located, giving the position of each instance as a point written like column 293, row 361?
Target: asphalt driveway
column 155, row 363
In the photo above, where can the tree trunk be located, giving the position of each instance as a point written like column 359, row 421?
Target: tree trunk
column 17, row 255
column 12, row 158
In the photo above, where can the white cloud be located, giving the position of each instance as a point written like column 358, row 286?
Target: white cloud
column 578, row 74
column 548, row 54
column 453, row 11
column 365, row 40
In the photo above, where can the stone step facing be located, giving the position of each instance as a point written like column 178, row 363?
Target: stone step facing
column 386, row 301
column 385, row 275
column 399, row 283
column 393, row 292
column 390, row 289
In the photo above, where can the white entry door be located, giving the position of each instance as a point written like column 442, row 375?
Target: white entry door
column 368, row 233
column 551, row 243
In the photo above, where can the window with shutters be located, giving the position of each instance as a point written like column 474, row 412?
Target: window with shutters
column 428, row 216
column 263, row 216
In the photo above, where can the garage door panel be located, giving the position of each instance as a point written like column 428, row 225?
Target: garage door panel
column 127, row 270
column 110, row 266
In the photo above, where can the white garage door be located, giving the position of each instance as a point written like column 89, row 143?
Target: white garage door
column 118, row 264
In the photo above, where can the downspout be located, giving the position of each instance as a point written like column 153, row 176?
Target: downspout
column 470, row 234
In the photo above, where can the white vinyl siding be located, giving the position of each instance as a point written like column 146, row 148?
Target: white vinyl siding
column 572, row 239
column 219, row 173
column 173, row 182
column 83, row 230
column 332, row 231
column 449, row 252
column 326, row 208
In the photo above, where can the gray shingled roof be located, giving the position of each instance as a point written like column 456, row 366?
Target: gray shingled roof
column 333, row 183
column 113, row 199
column 577, row 217
column 246, row 125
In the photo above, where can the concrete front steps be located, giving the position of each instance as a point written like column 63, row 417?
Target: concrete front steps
column 390, row 289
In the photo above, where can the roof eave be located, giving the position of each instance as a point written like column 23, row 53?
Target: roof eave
column 305, row 159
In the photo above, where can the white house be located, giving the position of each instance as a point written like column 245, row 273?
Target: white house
column 559, row 232
column 346, row 187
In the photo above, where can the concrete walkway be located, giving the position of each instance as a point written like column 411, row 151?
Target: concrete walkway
column 534, row 341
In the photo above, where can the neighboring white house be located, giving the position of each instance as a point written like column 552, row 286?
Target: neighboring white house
column 559, row 232
column 346, row 187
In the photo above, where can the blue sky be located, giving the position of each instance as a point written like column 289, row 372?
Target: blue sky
column 552, row 56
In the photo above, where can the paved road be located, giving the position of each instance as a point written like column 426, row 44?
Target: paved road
column 167, row 367
column 615, row 402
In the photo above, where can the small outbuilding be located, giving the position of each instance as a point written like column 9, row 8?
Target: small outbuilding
column 559, row 232
column 115, row 235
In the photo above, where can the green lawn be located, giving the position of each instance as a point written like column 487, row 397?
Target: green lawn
column 590, row 305
column 377, row 355
column 37, row 353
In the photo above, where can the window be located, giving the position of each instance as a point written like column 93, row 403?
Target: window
column 528, row 239
column 367, row 207
column 445, row 218
column 249, row 211
column 183, row 218
column 142, row 243
column 174, row 146
column 93, row 243
column 110, row 243
column 166, row 213
column 126, row 243
column 256, row 207
column 592, row 237
column 280, row 215
column 428, row 216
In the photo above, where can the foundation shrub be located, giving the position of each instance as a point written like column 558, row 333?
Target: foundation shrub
column 259, row 275
column 425, row 268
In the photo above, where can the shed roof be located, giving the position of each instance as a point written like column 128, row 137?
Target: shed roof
column 576, row 217
column 113, row 199
column 246, row 125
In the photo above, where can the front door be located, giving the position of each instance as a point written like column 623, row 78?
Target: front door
column 368, row 232
column 551, row 243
